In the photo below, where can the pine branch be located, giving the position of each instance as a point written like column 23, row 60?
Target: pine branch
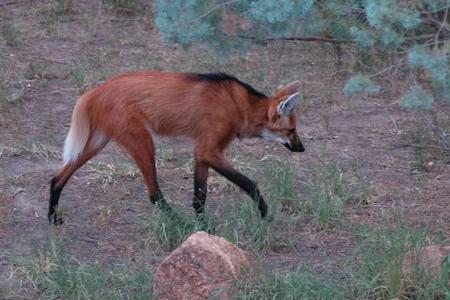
column 299, row 38
column 443, row 25
column 419, row 37
column 324, row 39
column 311, row 39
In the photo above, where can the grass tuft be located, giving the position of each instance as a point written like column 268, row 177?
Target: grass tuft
column 172, row 228
column 127, row 7
column 11, row 80
column 58, row 276
column 78, row 75
column 241, row 223
column 280, row 186
column 431, row 140
column 37, row 70
column 329, row 191
column 417, row 164
column 291, row 286
column 11, row 34
column 53, row 16
column 377, row 268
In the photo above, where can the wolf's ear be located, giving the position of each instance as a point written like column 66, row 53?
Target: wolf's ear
column 289, row 89
column 287, row 106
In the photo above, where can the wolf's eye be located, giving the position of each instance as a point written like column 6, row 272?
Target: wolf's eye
column 292, row 131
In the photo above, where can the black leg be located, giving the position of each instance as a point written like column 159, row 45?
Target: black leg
column 158, row 199
column 55, row 192
column 200, row 187
column 243, row 182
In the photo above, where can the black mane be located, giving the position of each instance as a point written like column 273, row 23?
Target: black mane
column 219, row 77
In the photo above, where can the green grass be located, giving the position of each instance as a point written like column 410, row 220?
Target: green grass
column 172, row 228
column 417, row 163
column 373, row 272
column 11, row 80
column 280, row 186
column 376, row 270
column 296, row 285
column 324, row 196
column 325, row 199
column 62, row 7
column 241, row 223
column 125, row 6
column 436, row 136
column 57, row 275
column 78, row 74
column 54, row 14
column 429, row 142
column 37, row 70
column 11, row 34
column 329, row 191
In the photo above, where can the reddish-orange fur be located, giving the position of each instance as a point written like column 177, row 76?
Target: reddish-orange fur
column 127, row 108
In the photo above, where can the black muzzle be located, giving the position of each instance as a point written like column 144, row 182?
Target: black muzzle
column 297, row 147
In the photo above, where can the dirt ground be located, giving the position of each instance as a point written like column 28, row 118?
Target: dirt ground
column 53, row 58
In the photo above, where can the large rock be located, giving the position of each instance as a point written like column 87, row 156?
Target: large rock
column 428, row 258
column 203, row 267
